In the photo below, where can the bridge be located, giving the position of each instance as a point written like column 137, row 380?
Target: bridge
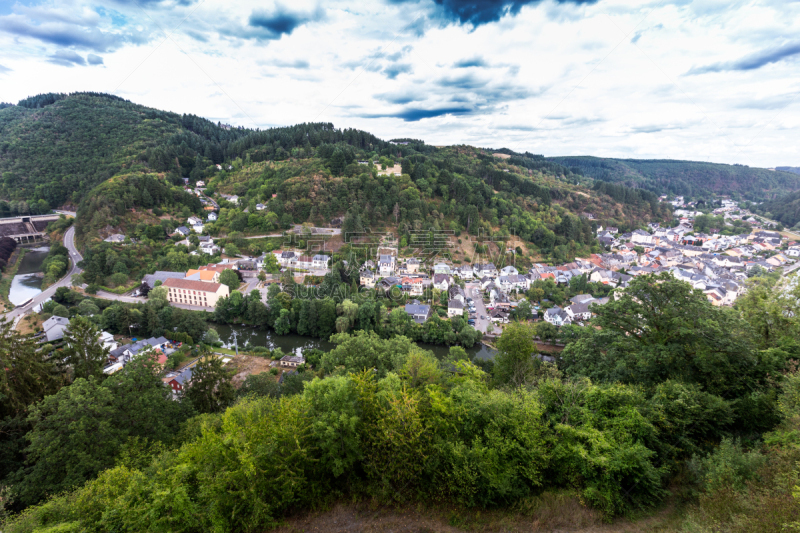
column 26, row 229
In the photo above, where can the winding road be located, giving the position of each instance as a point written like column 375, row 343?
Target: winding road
column 74, row 256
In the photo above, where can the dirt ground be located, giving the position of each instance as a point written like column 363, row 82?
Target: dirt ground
column 29, row 323
column 244, row 365
column 554, row 513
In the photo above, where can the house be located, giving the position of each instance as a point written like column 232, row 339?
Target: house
column 320, row 261
column 441, row 268
column 418, row 312
column 191, row 292
column 180, row 381
column 509, row 271
column 193, row 221
column 457, row 293
column 442, row 281
column 183, row 231
column 54, row 328
column 197, row 228
column 117, row 238
column 160, row 275
column 412, row 265
column 386, row 265
column 556, row 316
column 209, row 248
column 464, row 272
column 159, row 347
column 292, row 361
column 482, row 270
column 412, row 286
column 212, row 217
column 285, row 258
column 367, row 279
column 579, row 311
column 260, row 207
column 200, row 183
column 304, row 261
column 499, row 316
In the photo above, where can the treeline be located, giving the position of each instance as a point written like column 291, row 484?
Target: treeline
column 42, row 100
column 693, row 179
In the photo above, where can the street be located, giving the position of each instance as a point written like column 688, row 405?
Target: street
column 473, row 291
column 75, row 257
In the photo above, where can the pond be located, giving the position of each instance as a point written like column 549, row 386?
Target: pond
column 298, row 344
column 27, row 284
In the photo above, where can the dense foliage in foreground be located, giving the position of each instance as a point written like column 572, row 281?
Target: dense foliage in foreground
column 682, row 397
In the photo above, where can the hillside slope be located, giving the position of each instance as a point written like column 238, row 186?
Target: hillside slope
column 785, row 209
column 58, row 147
column 686, row 178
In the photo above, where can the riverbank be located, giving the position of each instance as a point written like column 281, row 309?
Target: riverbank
column 8, row 276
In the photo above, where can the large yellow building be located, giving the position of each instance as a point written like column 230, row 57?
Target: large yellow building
column 191, row 292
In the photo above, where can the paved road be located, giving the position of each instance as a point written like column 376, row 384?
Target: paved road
column 75, row 257
column 474, row 291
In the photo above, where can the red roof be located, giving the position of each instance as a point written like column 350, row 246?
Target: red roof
column 547, row 275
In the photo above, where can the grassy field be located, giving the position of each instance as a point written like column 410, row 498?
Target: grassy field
column 560, row 512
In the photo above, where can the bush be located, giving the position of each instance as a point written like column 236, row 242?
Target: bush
column 727, row 467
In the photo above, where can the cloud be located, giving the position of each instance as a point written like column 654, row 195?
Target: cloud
column 399, row 98
column 94, row 60
column 67, row 58
column 68, row 35
column 392, row 71
column 476, row 61
column 3, row 69
column 416, row 114
column 753, row 61
column 482, row 12
column 297, row 63
column 466, row 81
column 280, row 21
column 197, row 36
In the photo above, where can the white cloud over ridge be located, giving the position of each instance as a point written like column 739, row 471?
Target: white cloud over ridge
column 606, row 78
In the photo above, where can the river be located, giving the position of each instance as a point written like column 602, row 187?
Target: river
column 26, row 284
column 298, row 344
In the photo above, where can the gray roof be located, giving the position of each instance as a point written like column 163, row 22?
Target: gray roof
column 416, row 310
column 184, row 377
column 162, row 276
column 455, row 304
column 294, row 359
column 182, row 229
column 54, row 328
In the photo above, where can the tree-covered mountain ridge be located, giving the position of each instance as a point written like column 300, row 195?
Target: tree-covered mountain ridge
column 686, row 178
column 65, row 149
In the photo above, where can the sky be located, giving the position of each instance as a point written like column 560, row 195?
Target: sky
column 705, row 80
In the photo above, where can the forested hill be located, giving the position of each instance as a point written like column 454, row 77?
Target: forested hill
column 686, row 178
column 57, row 147
column 785, row 209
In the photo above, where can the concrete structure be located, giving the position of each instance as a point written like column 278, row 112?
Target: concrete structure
column 191, row 292
column 26, row 229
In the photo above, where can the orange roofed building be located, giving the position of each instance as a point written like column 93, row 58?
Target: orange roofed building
column 193, row 292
